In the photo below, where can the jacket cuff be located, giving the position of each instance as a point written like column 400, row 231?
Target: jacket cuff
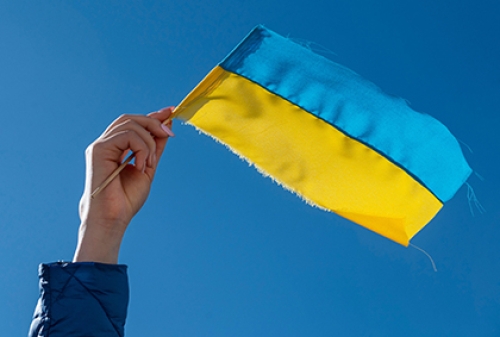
column 81, row 299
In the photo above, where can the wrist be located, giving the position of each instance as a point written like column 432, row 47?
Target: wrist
column 99, row 242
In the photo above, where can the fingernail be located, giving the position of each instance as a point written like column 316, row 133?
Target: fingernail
column 167, row 130
column 170, row 108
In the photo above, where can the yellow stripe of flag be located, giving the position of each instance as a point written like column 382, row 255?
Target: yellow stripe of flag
column 309, row 156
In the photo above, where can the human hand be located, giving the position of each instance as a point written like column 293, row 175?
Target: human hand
column 105, row 218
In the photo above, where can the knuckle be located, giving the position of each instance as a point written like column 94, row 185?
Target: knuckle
column 130, row 133
column 124, row 117
column 95, row 147
column 89, row 150
column 126, row 123
column 122, row 120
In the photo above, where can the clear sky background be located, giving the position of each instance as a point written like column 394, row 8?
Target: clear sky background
column 218, row 250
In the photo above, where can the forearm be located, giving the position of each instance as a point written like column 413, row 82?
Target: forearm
column 89, row 297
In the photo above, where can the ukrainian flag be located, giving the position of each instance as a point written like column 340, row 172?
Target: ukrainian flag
column 327, row 134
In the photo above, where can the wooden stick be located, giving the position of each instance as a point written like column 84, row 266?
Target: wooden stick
column 120, row 168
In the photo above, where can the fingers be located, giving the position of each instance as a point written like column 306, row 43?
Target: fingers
column 149, row 129
column 152, row 122
column 162, row 114
column 113, row 148
column 162, row 142
column 132, row 126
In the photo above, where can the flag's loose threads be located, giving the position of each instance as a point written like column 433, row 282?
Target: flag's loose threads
column 427, row 254
column 471, row 197
column 313, row 46
column 465, row 144
column 479, row 176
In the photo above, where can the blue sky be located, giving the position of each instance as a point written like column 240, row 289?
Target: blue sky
column 218, row 250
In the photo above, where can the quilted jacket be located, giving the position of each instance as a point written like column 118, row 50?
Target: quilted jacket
column 81, row 299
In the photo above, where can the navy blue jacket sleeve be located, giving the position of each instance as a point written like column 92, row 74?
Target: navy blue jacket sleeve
column 81, row 299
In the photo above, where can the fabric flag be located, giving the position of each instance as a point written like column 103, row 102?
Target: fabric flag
column 325, row 133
